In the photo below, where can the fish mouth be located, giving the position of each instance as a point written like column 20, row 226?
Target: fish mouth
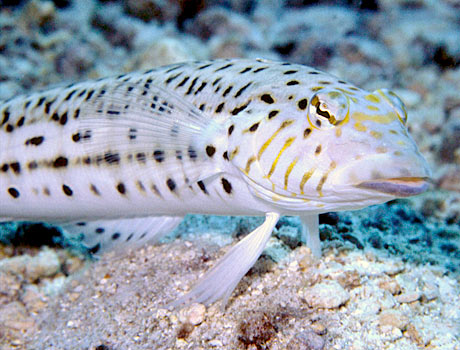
column 399, row 187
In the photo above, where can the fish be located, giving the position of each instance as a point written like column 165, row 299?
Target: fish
column 118, row 162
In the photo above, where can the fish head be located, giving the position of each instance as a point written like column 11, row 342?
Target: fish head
column 331, row 148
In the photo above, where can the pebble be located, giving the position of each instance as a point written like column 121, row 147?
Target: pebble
column 393, row 318
column 306, row 340
column 14, row 316
column 408, row 297
column 390, row 285
column 194, row 314
column 328, row 295
column 33, row 299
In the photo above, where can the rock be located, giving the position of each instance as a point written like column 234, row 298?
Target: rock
column 328, row 295
column 147, row 10
column 44, row 264
column 39, row 13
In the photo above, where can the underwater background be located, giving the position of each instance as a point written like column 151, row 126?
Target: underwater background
column 389, row 275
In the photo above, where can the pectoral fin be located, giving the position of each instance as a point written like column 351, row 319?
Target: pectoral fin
column 221, row 280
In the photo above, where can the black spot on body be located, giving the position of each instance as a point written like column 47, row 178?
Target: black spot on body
column 254, row 127
column 55, row 117
column 220, row 107
column 115, row 236
column 178, row 155
column 40, row 101
column 215, row 82
column 239, row 109
column 171, row 185
column 32, row 165
column 205, row 66
column 67, row 190
column 159, row 155
column 76, row 137
column 121, row 188
column 292, row 82
column 16, row 167
column 202, row 187
column 60, row 162
column 272, row 114
column 306, row 132
column 140, row 157
column 48, row 106
column 20, row 122
column 225, row 155
column 224, row 67
column 230, row 129
column 288, row 72
column 100, row 230
column 192, row 153
column 5, row 168
column 13, row 192
column 182, row 83
column 94, row 189
column 95, row 249
column 171, row 78
column 6, row 116
column 202, row 86
column 226, row 185
column 90, row 94
column 112, row 158
column 240, row 91
column 247, row 69
column 227, row 91
column 210, row 150
column 69, row 95
column 76, row 114
column 267, row 98
column 190, row 89
column 132, row 135
column 9, row 128
column 318, row 150
column 302, row 104
column 35, row 141
column 129, row 237
column 260, row 69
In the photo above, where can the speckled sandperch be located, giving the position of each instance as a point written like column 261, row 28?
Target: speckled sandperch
column 125, row 158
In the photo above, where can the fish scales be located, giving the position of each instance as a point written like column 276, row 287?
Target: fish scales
column 121, row 160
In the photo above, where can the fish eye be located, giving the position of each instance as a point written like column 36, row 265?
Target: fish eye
column 327, row 109
column 396, row 103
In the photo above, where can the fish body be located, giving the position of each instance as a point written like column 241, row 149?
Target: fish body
column 226, row 137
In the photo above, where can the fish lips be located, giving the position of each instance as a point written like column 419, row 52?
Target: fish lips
column 398, row 187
